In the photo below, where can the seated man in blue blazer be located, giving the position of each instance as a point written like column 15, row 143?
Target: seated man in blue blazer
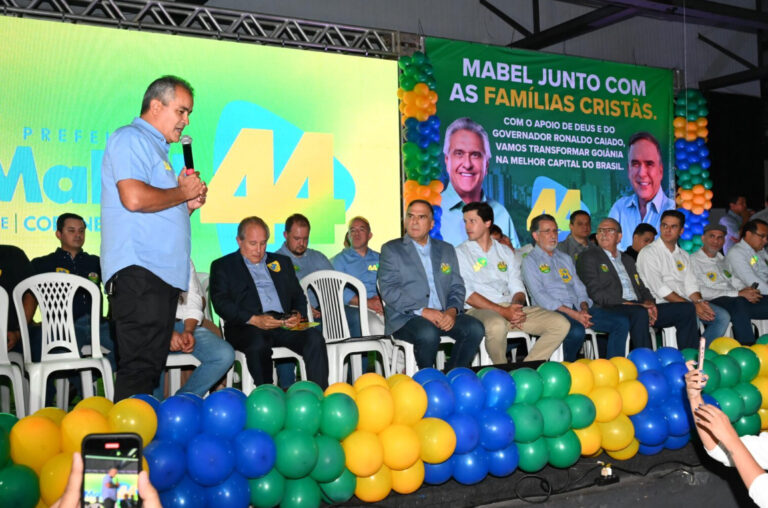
column 259, row 297
column 423, row 293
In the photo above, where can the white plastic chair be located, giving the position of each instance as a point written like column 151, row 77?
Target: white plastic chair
column 7, row 368
column 55, row 293
column 329, row 286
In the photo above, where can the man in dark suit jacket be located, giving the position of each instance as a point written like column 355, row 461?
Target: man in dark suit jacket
column 249, row 288
column 423, row 304
column 612, row 282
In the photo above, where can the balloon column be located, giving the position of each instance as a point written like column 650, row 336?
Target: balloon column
column 422, row 153
column 694, row 194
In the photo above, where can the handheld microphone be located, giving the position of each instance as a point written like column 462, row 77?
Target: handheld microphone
column 186, row 146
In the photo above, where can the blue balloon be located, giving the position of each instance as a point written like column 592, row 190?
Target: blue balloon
column 428, row 374
column 149, row 399
column 423, row 142
column 185, row 493
column 650, row 426
column 497, row 430
column 437, row 212
column 470, row 468
column 691, row 146
column 680, row 144
column 192, row 396
column 178, row 419
column 683, row 165
column 440, row 399
column 703, row 152
column 412, row 135
column 697, row 229
column 467, row 431
column 167, row 464
column 693, row 158
column 210, row 459
column 434, row 121
column 255, row 453
column 649, row 450
column 709, row 399
column 411, row 123
column 699, row 142
column 435, row 474
column 503, row 462
column 678, row 421
column 223, row 414
column 644, row 359
column 704, row 215
column 469, row 393
column 500, row 389
column 459, row 371
column 675, row 375
column 687, row 234
column 681, row 155
column 233, row 492
column 656, row 385
column 669, row 355
column 237, row 392
column 677, row 442
column 705, row 163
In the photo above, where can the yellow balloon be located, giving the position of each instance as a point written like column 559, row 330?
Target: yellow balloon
column 590, row 438
column 763, row 418
column 54, row 414
column 761, row 350
column 133, row 415
column 582, row 379
column 607, row 403
column 401, row 446
column 761, row 383
column 625, row 453
column 364, row 453
column 408, row 480
column 627, row 369
column 100, row 404
column 410, row 401
column 144, row 464
column 596, row 454
column 395, row 379
column 34, row 441
column 54, row 477
column 605, row 372
column 78, row 424
column 585, row 361
column 723, row 345
column 634, row 397
column 376, row 408
column 617, row 434
column 370, row 379
column 437, row 440
column 41, row 504
column 375, row 487
column 344, row 388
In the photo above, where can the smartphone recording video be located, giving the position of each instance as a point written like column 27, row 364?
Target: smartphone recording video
column 111, row 471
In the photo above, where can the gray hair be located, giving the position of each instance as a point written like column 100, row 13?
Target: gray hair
column 251, row 221
column 164, row 90
column 466, row 124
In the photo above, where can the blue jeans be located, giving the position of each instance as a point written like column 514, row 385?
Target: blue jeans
column 604, row 321
column 286, row 369
column 716, row 327
column 83, row 336
column 216, row 357
column 741, row 312
column 467, row 332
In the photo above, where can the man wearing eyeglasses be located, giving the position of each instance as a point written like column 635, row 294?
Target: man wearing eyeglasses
column 553, row 284
column 747, row 259
column 613, row 283
column 668, row 272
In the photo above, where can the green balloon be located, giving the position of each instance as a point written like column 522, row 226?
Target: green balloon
column 710, row 354
column 296, row 453
column 8, row 420
column 705, row 174
column 748, row 362
column 582, row 410
column 5, row 448
column 564, row 450
column 556, row 415
column 555, row 378
column 301, row 493
column 686, row 245
column 730, row 372
column 697, row 241
column 707, row 183
column 410, row 149
column 692, row 117
column 265, row 410
column 271, row 388
column 407, row 82
column 713, row 375
column 533, row 456
column 529, row 385
column 268, row 490
column 302, row 411
column 680, row 111
column 748, row 425
column 690, row 354
column 529, row 423
column 694, row 169
column 763, row 339
column 404, row 61
column 481, row 373
column 330, row 459
column 750, row 395
column 341, row 489
column 696, row 179
column 19, row 487
column 338, row 415
column 702, row 112
column 730, row 403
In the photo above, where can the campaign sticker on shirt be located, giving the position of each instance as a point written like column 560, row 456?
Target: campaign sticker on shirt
column 565, row 275
column 727, row 273
column 680, row 266
column 61, row 270
column 296, row 268
column 93, row 277
column 753, row 260
column 373, row 268
column 604, row 267
column 544, row 268
column 167, row 166
column 445, row 268
column 480, row 264
column 502, row 266
column 637, row 279
column 712, row 276
column 275, row 266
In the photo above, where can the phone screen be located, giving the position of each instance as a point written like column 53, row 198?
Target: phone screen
column 111, row 465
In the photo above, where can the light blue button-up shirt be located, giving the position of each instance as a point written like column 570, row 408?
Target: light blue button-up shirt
column 627, row 291
column 425, row 255
column 552, row 280
column 264, row 286
column 452, row 221
column 157, row 241
column 626, row 211
column 365, row 268
column 311, row 261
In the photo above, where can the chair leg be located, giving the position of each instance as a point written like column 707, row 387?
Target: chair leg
column 62, row 393
column 36, row 390
column 5, row 398
column 18, row 393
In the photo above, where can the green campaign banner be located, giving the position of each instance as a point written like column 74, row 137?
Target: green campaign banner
column 557, row 130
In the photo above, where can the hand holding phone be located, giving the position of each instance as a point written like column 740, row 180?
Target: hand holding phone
column 111, row 466
column 702, row 347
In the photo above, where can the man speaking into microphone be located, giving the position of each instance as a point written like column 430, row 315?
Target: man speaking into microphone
column 145, row 232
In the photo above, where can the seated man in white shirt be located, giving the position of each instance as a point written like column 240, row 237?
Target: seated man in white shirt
column 667, row 271
column 747, row 259
column 495, row 291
